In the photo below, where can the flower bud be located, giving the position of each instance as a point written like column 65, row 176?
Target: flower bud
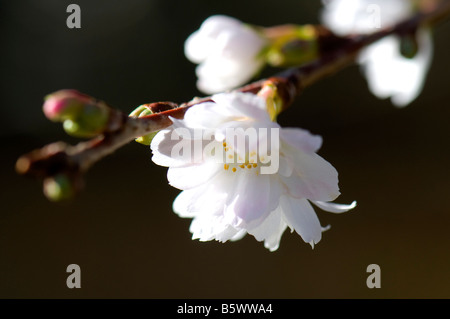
column 143, row 110
column 274, row 102
column 292, row 45
column 59, row 187
column 228, row 53
column 64, row 104
column 149, row 109
column 83, row 116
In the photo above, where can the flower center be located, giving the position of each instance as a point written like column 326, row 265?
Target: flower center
column 235, row 162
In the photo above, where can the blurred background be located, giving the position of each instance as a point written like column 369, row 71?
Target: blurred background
column 121, row 230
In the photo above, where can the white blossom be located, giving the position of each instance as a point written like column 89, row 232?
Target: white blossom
column 388, row 72
column 227, row 51
column 228, row 199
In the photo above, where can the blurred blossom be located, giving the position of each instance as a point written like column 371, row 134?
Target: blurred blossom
column 388, row 71
column 227, row 51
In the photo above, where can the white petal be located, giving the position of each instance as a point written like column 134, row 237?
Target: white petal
column 254, row 197
column 211, row 84
column 220, row 67
column 198, row 47
column 162, row 146
column 206, row 199
column 215, row 24
column 206, row 204
column 206, row 115
column 339, row 16
column 239, row 235
column 184, row 204
column 300, row 216
column 241, row 44
column 245, row 105
column 301, row 139
column 270, row 230
column 209, row 226
column 314, row 178
column 229, row 233
column 389, row 74
column 199, row 201
column 345, row 17
column 194, row 175
column 176, row 146
column 334, row 208
column 286, row 166
column 218, row 74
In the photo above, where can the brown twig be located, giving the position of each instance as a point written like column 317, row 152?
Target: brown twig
column 60, row 158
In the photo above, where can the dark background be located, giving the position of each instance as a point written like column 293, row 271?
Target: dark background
column 121, row 230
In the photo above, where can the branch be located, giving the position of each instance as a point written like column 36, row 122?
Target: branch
column 62, row 166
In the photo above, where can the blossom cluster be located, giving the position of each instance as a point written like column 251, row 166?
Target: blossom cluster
column 234, row 183
column 232, row 198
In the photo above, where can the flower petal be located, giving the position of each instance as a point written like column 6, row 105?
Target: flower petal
column 192, row 176
column 206, row 115
column 300, row 216
column 218, row 73
column 389, row 74
column 241, row 233
column 286, row 166
column 301, row 139
column 200, row 43
column 207, row 228
column 206, row 199
column 245, row 105
column 197, row 47
column 254, row 197
column 162, row 146
column 345, row 17
column 242, row 44
column 270, row 230
column 168, row 145
column 334, row 208
column 215, row 24
column 314, row 178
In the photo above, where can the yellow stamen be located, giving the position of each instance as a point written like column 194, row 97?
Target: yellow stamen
column 226, row 167
column 249, row 166
column 233, row 169
column 255, row 165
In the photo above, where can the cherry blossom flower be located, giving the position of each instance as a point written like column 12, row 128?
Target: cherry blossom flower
column 227, row 51
column 388, row 72
column 231, row 188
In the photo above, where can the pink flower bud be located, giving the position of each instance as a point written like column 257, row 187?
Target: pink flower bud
column 65, row 104
column 82, row 115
